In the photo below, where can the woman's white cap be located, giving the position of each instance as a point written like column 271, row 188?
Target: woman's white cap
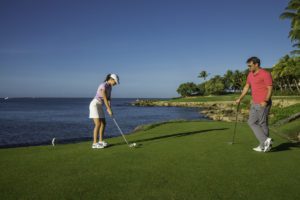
column 115, row 77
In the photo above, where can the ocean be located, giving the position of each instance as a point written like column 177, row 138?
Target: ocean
column 35, row 121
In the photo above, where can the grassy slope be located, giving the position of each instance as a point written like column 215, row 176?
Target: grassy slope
column 290, row 130
column 182, row 160
column 282, row 113
column 230, row 97
column 276, row 113
column 279, row 113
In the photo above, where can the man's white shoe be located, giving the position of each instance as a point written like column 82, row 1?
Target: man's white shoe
column 105, row 144
column 268, row 144
column 97, row 146
column 259, row 149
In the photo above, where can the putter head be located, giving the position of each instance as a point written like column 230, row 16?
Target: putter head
column 230, row 143
column 53, row 142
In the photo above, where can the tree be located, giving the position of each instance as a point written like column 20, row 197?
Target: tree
column 238, row 80
column 286, row 74
column 228, row 80
column 291, row 74
column 201, row 89
column 215, row 85
column 292, row 12
column 278, row 80
column 203, row 74
column 187, row 89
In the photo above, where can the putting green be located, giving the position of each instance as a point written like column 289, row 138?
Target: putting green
column 180, row 160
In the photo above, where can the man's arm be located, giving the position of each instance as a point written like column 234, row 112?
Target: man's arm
column 269, row 94
column 268, row 97
column 245, row 91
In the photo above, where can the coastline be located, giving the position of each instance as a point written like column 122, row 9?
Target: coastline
column 35, row 122
column 216, row 110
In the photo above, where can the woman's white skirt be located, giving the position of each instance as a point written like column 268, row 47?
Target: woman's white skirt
column 96, row 110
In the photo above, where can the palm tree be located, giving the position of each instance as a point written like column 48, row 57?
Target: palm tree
column 286, row 74
column 203, row 74
column 215, row 85
column 278, row 80
column 292, row 12
column 292, row 73
column 228, row 79
column 238, row 78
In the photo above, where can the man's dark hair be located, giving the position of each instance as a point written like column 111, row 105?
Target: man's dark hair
column 254, row 60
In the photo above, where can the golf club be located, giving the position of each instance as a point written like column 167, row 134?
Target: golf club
column 53, row 141
column 130, row 145
column 236, row 117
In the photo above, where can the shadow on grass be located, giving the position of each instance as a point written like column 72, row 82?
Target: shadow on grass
column 172, row 135
column 285, row 146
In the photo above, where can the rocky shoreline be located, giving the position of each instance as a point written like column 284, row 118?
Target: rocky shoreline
column 215, row 110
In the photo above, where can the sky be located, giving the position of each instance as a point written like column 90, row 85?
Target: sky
column 65, row 48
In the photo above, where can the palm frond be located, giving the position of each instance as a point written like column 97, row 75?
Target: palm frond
column 295, row 52
column 297, row 45
column 294, row 34
column 293, row 5
column 288, row 15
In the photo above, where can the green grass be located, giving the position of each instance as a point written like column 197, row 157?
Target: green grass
column 245, row 103
column 282, row 113
column 277, row 113
column 290, row 130
column 186, row 160
column 287, row 97
column 228, row 97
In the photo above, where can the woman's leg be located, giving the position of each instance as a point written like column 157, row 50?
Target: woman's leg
column 102, row 128
column 96, row 129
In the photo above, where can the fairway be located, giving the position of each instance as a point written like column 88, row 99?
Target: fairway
column 179, row 160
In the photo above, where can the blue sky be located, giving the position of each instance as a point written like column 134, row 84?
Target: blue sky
column 64, row 48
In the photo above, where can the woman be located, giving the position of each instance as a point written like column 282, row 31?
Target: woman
column 96, row 110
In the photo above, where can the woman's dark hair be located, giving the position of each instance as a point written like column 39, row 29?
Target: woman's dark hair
column 107, row 77
column 254, row 60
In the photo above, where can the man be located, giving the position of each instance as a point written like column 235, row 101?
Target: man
column 260, row 82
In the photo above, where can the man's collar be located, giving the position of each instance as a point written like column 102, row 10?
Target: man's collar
column 257, row 72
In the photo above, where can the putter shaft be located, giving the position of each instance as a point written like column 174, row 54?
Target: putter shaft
column 236, row 117
column 120, row 130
